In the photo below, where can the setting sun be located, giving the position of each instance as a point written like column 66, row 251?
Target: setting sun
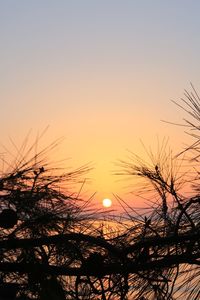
column 107, row 202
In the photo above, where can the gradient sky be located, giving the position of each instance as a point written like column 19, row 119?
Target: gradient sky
column 99, row 73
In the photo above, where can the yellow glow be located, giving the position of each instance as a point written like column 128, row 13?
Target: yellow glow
column 107, row 202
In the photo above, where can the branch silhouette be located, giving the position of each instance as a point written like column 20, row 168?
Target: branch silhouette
column 52, row 244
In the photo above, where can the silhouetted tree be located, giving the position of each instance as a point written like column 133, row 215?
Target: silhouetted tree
column 52, row 245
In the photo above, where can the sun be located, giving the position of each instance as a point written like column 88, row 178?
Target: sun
column 107, row 202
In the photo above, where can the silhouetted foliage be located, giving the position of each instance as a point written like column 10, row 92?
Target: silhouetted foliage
column 52, row 245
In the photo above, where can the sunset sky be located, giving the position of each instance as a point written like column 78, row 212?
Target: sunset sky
column 101, row 74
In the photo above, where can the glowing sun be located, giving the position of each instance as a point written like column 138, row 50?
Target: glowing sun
column 107, row 202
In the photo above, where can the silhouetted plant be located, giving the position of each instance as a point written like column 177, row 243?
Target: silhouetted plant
column 169, row 239
column 52, row 245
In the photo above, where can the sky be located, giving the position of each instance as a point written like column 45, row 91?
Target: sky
column 100, row 74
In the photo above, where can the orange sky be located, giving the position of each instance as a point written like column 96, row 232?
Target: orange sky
column 100, row 74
